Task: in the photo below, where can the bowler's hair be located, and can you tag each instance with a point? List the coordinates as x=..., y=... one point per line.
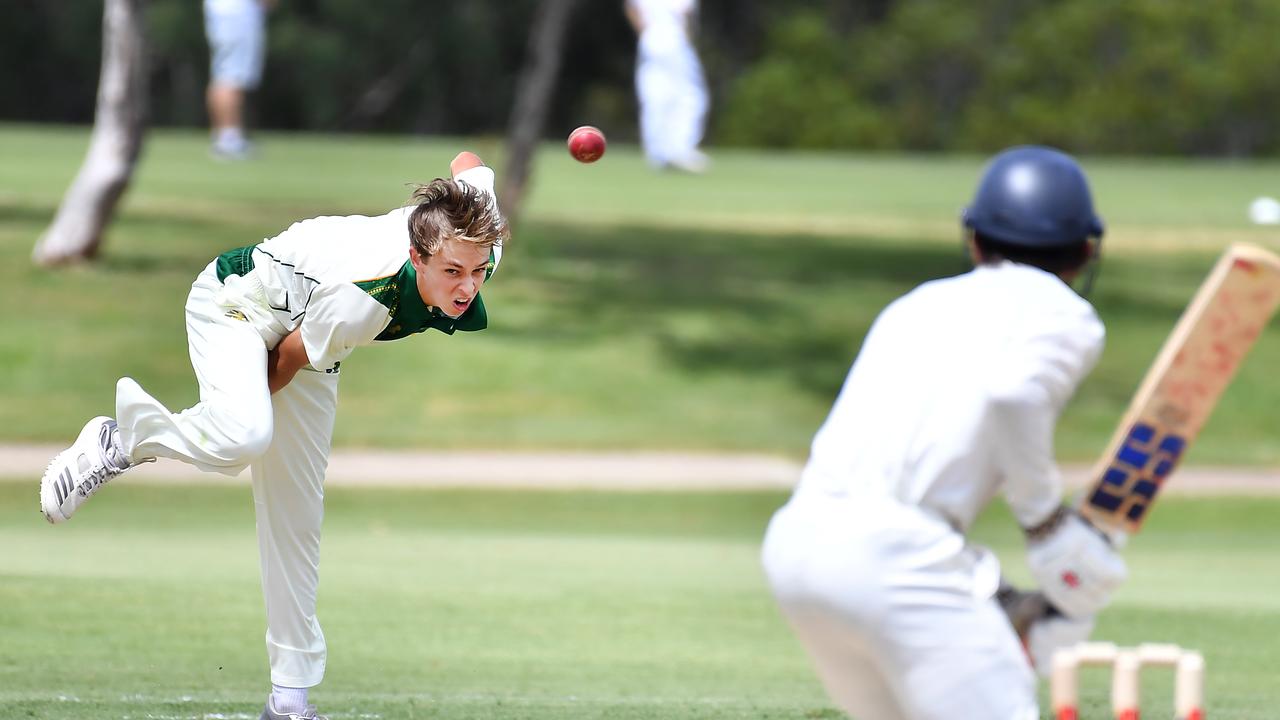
x=450, y=209
x=1056, y=260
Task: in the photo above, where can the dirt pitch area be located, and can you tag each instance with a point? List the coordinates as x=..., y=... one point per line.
x=590, y=470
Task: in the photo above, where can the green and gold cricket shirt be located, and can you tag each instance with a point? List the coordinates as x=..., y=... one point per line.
x=343, y=282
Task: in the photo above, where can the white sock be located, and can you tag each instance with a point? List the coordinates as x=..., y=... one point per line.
x=288, y=700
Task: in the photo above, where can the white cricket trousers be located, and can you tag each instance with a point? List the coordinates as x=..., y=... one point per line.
x=672, y=96
x=895, y=611
x=284, y=438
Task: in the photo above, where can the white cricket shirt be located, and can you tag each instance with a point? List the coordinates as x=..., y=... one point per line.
x=955, y=394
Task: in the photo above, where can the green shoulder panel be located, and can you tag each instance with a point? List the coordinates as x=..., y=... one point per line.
x=409, y=315
x=234, y=262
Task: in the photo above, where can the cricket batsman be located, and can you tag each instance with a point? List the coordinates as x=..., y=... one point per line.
x=952, y=399
x=268, y=326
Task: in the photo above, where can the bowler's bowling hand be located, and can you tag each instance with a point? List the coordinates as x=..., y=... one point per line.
x=465, y=160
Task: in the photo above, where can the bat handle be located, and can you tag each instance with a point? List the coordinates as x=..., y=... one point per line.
x=1117, y=536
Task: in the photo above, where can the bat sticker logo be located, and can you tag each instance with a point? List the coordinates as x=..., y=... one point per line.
x=1136, y=472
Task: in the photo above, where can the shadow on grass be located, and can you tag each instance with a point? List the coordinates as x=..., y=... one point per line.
x=138, y=242
x=26, y=214
x=794, y=306
x=790, y=308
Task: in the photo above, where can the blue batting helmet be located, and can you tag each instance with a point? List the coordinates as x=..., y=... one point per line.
x=1035, y=197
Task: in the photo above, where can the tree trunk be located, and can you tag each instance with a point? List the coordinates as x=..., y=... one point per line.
x=385, y=89
x=536, y=86
x=114, y=146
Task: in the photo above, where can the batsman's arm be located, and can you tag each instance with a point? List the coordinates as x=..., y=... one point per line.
x=285, y=360
x=1028, y=386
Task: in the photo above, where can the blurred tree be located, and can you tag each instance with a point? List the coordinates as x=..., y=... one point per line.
x=1144, y=76
x=51, y=51
x=894, y=76
x=397, y=66
x=178, y=59
x=802, y=94
x=533, y=96
x=114, y=146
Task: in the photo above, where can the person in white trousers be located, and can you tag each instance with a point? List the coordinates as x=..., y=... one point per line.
x=953, y=398
x=670, y=87
x=268, y=326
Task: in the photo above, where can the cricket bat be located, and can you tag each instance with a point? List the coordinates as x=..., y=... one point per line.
x=1226, y=316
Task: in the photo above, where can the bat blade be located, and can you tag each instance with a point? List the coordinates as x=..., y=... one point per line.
x=1178, y=393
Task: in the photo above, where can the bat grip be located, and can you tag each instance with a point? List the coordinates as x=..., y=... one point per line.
x=1116, y=536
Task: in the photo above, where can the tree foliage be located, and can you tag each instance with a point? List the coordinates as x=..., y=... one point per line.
x=1140, y=76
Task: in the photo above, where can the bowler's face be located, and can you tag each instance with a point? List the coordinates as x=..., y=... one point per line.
x=451, y=278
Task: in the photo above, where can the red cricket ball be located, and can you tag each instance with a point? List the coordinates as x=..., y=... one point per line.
x=586, y=144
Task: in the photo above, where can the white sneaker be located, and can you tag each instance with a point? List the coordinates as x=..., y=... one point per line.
x=270, y=713
x=695, y=162
x=233, y=150
x=82, y=469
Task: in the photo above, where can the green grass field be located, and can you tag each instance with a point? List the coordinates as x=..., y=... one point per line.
x=488, y=604
x=635, y=310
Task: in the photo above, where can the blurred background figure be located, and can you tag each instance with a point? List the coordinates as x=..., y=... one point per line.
x=670, y=87
x=237, y=33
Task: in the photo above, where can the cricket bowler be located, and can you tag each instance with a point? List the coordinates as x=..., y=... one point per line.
x=953, y=399
x=268, y=326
